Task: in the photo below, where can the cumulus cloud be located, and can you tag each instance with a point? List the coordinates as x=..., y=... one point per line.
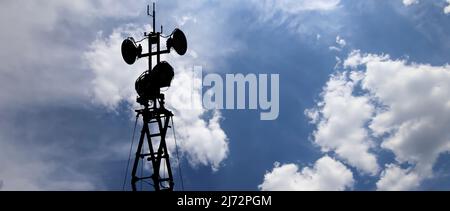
x=340, y=119
x=403, y=105
x=201, y=139
x=394, y=178
x=326, y=174
x=416, y=103
x=113, y=78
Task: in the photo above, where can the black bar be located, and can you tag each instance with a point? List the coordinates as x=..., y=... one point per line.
x=253, y=199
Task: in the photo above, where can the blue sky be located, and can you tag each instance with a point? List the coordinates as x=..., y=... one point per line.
x=66, y=96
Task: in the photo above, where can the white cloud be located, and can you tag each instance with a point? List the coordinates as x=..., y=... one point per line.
x=201, y=139
x=447, y=8
x=326, y=174
x=415, y=106
x=334, y=48
x=340, y=41
x=356, y=58
x=113, y=78
x=340, y=119
x=394, y=178
x=405, y=106
x=410, y=2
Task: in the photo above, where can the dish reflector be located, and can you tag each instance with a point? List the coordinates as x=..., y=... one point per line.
x=178, y=42
x=130, y=51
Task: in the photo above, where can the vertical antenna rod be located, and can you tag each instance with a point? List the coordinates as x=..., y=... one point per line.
x=151, y=34
x=154, y=17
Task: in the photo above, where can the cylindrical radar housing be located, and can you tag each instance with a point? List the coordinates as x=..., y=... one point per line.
x=149, y=83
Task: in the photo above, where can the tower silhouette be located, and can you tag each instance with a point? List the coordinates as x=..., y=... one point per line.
x=153, y=112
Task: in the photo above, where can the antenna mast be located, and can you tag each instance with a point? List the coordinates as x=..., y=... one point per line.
x=154, y=113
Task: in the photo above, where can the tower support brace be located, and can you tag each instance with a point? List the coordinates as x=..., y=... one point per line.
x=157, y=153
